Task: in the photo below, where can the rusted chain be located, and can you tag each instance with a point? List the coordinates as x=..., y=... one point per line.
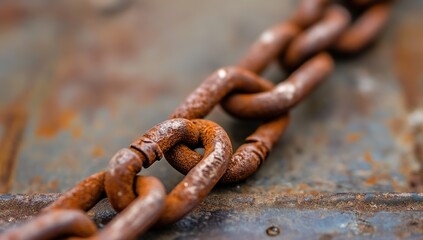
x=151, y=198
x=83, y=196
x=197, y=183
x=317, y=26
x=249, y=156
x=285, y=95
x=200, y=180
x=125, y=165
x=65, y=216
x=54, y=224
x=332, y=22
x=270, y=44
x=364, y=29
x=211, y=92
x=141, y=214
x=246, y=159
x=317, y=37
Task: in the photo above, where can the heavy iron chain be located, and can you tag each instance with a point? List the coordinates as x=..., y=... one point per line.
x=299, y=44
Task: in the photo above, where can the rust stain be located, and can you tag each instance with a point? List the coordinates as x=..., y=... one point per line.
x=97, y=151
x=76, y=131
x=53, y=185
x=38, y=184
x=52, y=123
x=368, y=158
x=303, y=187
x=95, y=71
x=83, y=85
x=14, y=120
x=353, y=137
x=372, y=180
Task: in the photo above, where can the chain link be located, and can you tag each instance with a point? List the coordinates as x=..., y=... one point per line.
x=299, y=44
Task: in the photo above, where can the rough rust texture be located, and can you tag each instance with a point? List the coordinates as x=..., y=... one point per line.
x=254, y=212
x=119, y=180
x=200, y=180
x=246, y=159
x=141, y=214
x=249, y=156
x=83, y=196
x=271, y=43
x=211, y=92
x=284, y=95
x=53, y=225
x=126, y=164
x=318, y=37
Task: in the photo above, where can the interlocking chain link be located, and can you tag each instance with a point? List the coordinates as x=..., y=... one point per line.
x=299, y=45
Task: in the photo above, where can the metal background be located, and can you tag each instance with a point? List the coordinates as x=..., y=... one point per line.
x=81, y=79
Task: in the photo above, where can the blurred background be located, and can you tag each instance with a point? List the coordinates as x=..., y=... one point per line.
x=81, y=79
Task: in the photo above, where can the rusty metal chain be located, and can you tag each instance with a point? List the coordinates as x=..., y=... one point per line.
x=300, y=45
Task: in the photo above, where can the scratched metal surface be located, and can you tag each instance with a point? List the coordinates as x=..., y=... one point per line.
x=80, y=80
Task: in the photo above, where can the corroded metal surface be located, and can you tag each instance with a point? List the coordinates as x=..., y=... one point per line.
x=247, y=215
x=354, y=134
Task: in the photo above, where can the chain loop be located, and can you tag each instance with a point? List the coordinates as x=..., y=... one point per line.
x=140, y=214
x=200, y=180
x=246, y=159
x=127, y=163
x=285, y=95
x=317, y=37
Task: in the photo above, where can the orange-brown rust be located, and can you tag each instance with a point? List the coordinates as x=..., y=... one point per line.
x=53, y=225
x=200, y=180
x=119, y=180
x=271, y=43
x=54, y=121
x=285, y=95
x=250, y=155
x=242, y=78
x=309, y=12
x=204, y=98
x=126, y=164
x=365, y=29
x=14, y=123
x=247, y=158
x=318, y=37
x=83, y=196
x=141, y=214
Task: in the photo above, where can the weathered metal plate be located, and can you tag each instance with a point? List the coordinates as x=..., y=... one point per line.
x=78, y=82
x=227, y=214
